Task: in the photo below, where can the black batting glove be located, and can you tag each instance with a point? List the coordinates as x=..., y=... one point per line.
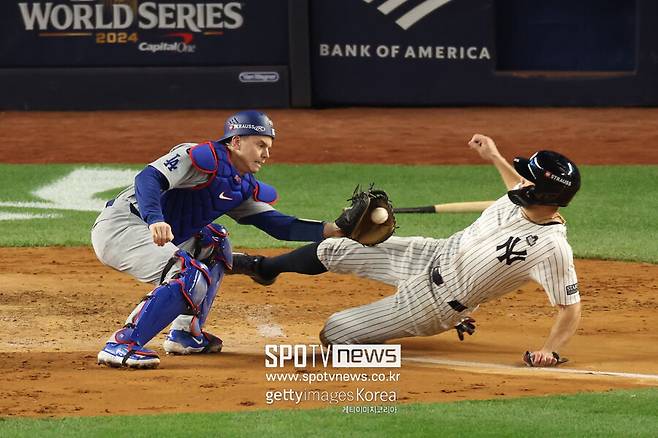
x=466, y=325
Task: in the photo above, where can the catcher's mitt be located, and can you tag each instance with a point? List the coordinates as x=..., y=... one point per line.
x=357, y=222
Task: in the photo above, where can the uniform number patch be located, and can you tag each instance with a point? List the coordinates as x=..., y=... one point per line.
x=172, y=163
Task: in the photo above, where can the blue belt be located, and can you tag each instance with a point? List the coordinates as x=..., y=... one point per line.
x=133, y=209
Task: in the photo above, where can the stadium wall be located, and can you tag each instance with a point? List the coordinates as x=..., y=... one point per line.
x=113, y=54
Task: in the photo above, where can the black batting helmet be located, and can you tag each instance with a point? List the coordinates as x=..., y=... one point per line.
x=556, y=179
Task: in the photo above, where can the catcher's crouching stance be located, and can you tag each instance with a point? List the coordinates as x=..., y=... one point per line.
x=161, y=230
x=520, y=237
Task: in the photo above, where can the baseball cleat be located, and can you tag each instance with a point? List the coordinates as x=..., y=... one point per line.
x=130, y=355
x=182, y=342
x=250, y=265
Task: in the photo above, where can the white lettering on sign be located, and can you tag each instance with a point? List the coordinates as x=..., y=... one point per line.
x=194, y=17
x=467, y=53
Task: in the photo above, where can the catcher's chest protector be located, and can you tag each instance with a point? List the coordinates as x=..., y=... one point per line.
x=189, y=210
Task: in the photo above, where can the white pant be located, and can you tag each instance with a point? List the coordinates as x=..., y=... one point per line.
x=123, y=241
x=418, y=308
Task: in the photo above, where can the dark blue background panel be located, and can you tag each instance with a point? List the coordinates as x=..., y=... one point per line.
x=566, y=35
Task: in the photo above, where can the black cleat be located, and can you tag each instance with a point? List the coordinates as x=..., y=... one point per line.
x=250, y=265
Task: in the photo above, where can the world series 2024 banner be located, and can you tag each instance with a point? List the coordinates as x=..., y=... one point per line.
x=81, y=33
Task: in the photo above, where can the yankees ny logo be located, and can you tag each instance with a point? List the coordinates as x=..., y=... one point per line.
x=510, y=255
x=172, y=163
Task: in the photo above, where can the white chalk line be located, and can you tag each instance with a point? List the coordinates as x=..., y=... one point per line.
x=499, y=368
x=529, y=370
x=7, y=216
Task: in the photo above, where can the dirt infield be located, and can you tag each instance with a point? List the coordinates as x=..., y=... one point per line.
x=415, y=136
x=57, y=305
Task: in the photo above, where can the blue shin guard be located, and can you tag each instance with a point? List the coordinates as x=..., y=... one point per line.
x=212, y=240
x=191, y=291
x=185, y=293
x=216, y=276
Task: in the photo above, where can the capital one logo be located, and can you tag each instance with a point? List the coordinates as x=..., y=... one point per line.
x=414, y=15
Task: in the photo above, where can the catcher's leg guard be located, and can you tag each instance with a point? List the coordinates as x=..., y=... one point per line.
x=212, y=246
x=191, y=338
x=185, y=292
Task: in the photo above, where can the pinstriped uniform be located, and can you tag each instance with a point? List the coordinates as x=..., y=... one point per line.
x=441, y=280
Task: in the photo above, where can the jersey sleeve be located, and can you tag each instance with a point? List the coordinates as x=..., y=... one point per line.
x=249, y=207
x=557, y=275
x=284, y=227
x=178, y=169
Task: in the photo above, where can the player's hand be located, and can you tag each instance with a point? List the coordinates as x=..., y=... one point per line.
x=484, y=146
x=330, y=229
x=465, y=325
x=542, y=358
x=161, y=233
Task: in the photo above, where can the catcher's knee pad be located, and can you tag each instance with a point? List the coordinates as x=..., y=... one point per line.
x=185, y=293
x=213, y=246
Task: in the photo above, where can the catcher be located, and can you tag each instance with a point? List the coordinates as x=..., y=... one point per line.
x=160, y=231
x=520, y=237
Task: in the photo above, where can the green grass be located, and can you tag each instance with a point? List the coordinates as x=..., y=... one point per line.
x=613, y=217
x=619, y=413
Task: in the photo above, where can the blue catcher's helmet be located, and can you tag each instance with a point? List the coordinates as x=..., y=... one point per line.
x=556, y=179
x=248, y=122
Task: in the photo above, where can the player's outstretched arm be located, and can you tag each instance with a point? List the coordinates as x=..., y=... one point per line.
x=486, y=148
x=285, y=227
x=564, y=327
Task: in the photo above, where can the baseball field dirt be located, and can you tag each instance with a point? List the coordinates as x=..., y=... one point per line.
x=58, y=305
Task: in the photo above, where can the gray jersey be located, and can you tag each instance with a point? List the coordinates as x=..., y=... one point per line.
x=123, y=240
x=440, y=280
x=184, y=176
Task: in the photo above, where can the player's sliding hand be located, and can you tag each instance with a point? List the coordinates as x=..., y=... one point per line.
x=543, y=358
x=484, y=146
x=161, y=233
x=466, y=325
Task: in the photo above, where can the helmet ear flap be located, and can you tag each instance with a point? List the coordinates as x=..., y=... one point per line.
x=523, y=196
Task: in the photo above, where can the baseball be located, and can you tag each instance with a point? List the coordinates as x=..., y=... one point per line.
x=379, y=215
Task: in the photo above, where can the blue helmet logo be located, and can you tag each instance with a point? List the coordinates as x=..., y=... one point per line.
x=248, y=122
